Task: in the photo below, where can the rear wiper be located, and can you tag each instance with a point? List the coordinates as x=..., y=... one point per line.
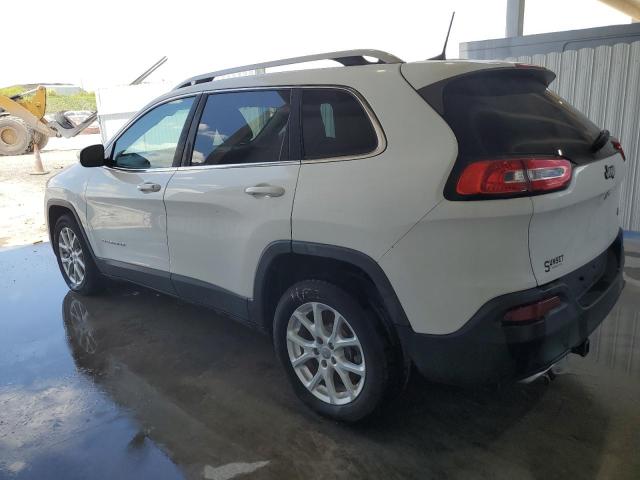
x=600, y=141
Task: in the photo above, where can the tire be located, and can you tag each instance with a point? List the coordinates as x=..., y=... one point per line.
x=39, y=139
x=369, y=388
x=16, y=137
x=71, y=250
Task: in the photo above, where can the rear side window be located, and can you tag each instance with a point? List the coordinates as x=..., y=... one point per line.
x=334, y=124
x=243, y=127
x=510, y=112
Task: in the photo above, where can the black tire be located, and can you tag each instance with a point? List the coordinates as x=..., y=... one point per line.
x=16, y=137
x=40, y=139
x=369, y=332
x=92, y=281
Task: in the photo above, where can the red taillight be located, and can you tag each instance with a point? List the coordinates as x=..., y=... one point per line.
x=533, y=311
x=509, y=177
x=618, y=147
x=492, y=177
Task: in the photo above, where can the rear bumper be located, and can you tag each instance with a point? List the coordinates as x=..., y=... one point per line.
x=485, y=351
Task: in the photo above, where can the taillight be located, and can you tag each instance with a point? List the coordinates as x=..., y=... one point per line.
x=616, y=144
x=533, y=311
x=514, y=177
x=547, y=174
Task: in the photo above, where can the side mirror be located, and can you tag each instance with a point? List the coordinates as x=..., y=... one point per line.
x=92, y=156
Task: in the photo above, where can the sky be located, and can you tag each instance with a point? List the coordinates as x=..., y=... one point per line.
x=105, y=43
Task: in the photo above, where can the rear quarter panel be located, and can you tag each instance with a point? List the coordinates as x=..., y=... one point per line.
x=368, y=204
x=457, y=258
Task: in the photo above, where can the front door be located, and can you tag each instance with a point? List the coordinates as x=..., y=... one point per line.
x=233, y=198
x=125, y=207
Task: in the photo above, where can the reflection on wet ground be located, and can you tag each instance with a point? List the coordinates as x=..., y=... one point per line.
x=133, y=384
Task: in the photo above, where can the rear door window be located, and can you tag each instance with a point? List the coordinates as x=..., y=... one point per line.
x=335, y=124
x=243, y=127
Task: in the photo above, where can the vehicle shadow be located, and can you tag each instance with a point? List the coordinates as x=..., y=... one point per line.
x=209, y=392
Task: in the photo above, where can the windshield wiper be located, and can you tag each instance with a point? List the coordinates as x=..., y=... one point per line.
x=600, y=141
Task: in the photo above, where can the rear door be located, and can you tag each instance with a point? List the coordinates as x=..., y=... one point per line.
x=508, y=114
x=233, y=197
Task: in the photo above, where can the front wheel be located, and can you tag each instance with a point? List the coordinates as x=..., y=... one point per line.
x=332, y=350
x=16, y=136
x=74, y=259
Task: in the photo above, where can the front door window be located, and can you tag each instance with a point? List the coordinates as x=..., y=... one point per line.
x=152, y=140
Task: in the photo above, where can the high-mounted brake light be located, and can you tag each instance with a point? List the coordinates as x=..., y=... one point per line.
x=616, y=144
x=533, y=311
x=515, y=176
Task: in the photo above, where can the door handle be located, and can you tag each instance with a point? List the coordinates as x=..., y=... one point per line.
x=148, y=187
x=265, y=191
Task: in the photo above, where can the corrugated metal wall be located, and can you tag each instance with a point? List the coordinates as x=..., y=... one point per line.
x=604, y=83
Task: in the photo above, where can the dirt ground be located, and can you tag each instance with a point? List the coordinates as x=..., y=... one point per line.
x=22, y=219
x=21, y=196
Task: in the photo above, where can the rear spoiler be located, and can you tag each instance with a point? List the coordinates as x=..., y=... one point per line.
x=433, y=93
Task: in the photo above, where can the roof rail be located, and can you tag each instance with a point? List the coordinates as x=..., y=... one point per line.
x=347, y=58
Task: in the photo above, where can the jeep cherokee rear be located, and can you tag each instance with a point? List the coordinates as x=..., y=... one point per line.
x=454, y=215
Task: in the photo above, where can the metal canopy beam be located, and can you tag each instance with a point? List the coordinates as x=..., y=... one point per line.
x=515, y=18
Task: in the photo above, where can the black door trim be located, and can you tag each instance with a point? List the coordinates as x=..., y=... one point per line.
x=212, y=296
x=194, y=118
x=148, y=277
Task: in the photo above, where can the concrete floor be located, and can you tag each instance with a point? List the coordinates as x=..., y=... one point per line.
x=132, y=384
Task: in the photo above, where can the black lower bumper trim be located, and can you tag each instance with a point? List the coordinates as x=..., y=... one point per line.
x=486, y=351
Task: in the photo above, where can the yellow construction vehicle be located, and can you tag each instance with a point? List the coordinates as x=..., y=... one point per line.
x=22, y=122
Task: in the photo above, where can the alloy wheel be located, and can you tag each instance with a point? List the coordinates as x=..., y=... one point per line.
x=325, y=353
x=71, y=256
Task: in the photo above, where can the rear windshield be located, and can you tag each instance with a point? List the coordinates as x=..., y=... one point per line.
x=506, y=112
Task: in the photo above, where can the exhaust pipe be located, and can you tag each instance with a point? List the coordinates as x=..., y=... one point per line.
x=548, y=372
x=559, y=367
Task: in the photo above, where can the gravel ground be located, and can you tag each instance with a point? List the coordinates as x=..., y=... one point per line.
x=21, y=195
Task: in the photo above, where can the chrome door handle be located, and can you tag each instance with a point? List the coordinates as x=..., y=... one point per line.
x=265, y=191
x=148, y=187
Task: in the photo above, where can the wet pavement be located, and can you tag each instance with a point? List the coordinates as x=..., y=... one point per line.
x=133, y=384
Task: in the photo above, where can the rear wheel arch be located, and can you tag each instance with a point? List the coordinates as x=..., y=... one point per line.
x=284, y=263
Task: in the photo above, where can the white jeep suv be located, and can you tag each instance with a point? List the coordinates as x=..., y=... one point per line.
x=453, y=215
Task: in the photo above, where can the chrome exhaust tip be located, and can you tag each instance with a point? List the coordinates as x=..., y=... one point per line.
x=549, y=373
x=536, y=376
